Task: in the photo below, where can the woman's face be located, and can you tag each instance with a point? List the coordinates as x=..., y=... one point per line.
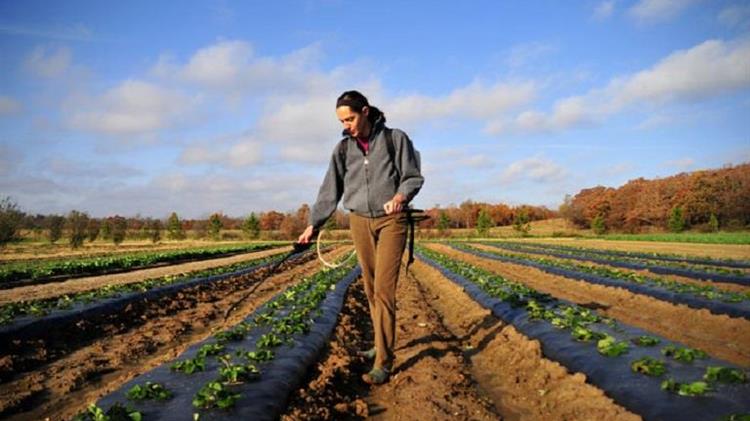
x=355, y=123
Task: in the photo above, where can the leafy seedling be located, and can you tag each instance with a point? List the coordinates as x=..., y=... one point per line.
x=190, y=366
x=646, y=340
x=149, y=391
x=215, y=395
x=608, y=346
x=725, y=375
x=648, y=366
x=685, y=389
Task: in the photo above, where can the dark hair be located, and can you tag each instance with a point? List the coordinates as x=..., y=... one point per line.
x=354, y=100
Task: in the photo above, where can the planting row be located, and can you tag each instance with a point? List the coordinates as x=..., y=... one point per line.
x=696, y=296
x=707, y=261
x=246, y=372
x=649, y=375
x=13, y=274
x=709, y=273
x=29, y=318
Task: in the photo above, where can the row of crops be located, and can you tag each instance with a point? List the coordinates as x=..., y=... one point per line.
x=37, y=270
x=702, y=296
x=706, y=269
x=246, y=372
x=22, y=313
x=648, y=374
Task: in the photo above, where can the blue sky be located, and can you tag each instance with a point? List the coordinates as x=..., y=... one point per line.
x=197, y=107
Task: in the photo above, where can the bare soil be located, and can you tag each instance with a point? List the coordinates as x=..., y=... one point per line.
x=721, y=336
x=454, y=360
x=37, y=292
x=60, y=250
x=74, y=369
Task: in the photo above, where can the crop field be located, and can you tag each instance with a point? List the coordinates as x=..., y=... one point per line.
x=518, y=330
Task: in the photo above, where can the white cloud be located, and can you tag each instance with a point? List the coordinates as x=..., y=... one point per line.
x=537, y=169
x=48, y=62
x=132, y=107
x=736, y=16
x=9, y=105
x=659, y=10
x=604, y=10
x=707, y=70
x=475, y=101
x=237, y=151
x=232, y=68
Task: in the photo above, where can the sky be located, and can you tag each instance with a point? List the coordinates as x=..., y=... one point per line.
x=145, y=108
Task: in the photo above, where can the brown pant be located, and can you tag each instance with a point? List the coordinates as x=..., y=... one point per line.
x=380, y=244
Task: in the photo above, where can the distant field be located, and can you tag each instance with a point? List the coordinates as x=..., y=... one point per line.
x=560, y=228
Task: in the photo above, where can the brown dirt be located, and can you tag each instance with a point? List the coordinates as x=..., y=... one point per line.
x=454, y=360
x=719, y=285
x=37, y=292
x=716, y=251
x=721, y=336
x=46, y=251
x=132, y=344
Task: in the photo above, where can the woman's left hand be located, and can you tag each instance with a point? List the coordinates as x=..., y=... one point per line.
x=394, y=205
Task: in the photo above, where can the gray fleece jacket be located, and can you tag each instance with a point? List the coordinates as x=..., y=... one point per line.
x=367, y=182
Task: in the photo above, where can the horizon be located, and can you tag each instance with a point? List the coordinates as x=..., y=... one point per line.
x=232, y=108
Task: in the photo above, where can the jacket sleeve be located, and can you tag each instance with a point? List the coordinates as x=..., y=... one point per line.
x=330, y=191
x=410, y=166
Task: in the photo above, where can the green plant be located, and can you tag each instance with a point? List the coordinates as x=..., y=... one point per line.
x=174, y=227
x=484, y=223
x=648, y=366
x=251, y=226
x=215, y=225
x=190, y=365
x=609, y=346
x=149, y=391
x=676, y=220
x=215, y=395
x=522, y=223
x=236, y=373
x=725, y=375
x=686, y=355
x=597, y=225
x=713, y=223
x=117, y=412
x=685, y=389
x=646, y=341
x=210, y=349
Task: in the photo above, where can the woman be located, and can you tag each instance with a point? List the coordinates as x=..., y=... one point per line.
x=376, y=171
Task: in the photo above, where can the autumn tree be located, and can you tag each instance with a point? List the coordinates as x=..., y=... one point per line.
x=56, y=223
x=154, y=230
x=92, y=229
x=10, y=221
x=119, y=229
x=77, y=223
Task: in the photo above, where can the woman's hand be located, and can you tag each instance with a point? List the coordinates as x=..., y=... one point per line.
x=306, y=236
x=394, y=205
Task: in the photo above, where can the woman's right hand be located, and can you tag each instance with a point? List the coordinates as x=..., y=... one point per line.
x=306, y=236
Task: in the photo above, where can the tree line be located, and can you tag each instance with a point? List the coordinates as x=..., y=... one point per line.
x=78, y=227
x=706, y=200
